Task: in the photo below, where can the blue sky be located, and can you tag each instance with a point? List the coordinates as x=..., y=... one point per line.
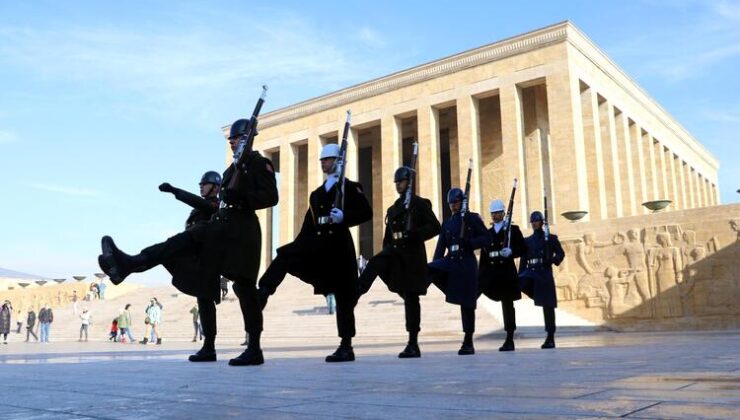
x=101, y=102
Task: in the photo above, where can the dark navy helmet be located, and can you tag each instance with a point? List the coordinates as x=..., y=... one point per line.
x=454, y=194
x=536, y=216
x=211, y=177
x=239, y=128
x=404, y=172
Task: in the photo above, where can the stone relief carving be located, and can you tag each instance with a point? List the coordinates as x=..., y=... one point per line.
x=658, y=272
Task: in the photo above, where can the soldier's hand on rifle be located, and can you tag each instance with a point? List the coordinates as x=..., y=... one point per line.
x=231, y=196
x=337, y=215
x=166, y=187
x=505, y=252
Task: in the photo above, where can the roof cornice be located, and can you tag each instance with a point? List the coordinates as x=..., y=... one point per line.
x=492, y=52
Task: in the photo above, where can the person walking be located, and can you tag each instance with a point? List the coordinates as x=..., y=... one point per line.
x=30, y=324
x=46, y=317
x=154, y=317
x=85, y=323
x=5, y=313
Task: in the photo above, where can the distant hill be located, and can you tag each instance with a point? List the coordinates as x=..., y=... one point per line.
x=11, y=274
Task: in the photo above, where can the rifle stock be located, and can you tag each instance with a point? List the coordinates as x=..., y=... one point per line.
x=339, y=198
x=510, y=213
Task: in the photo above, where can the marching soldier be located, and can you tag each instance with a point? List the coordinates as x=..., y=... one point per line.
x=535, y=273
x=498, y=278
x=456, y=274
x=204, y=207
x=323, y=253
x=228, y=245
x=402, y=264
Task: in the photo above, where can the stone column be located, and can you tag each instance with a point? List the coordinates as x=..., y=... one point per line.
x=390, y=140
x=628, y=184
x=662, y=172
x=594, y=156
x=430, y=186
x=670, y=157
x=468, y=141
x=649, y=143
x=642, y=195
x=287, y=192
x=315, y=176
x=513, y=145
x=615, y=163
x=680, y=168
x=352, y=172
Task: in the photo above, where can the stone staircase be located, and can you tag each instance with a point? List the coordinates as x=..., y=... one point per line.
x=294, y=315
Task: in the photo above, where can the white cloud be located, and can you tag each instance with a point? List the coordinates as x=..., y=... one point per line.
x=728, y=10
x=186, y=68
x=370, y=37
x=7, y=136
x=65, y=190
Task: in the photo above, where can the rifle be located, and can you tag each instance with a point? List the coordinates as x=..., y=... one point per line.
x=339, y=198
x=546, y=230
x=509, y=214
x=410, y=187
x=244, y=147
x=464, y=207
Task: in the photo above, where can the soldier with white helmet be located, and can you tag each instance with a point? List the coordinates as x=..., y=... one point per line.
x=323, y=254
x=497, y=275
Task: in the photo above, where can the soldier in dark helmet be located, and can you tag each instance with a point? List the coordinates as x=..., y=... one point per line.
x=323, y=253
x=205, y=205
x=456, y=272
x=497, y=276
x=402, y=264
x=535, y=273
x=229, y=244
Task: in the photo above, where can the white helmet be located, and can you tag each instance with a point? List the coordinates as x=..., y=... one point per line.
x=496, y=205
x=330, y=150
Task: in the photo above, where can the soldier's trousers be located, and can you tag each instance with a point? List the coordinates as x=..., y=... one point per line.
x=507, y=307
x=346, y=301
x=467, y=314
x=380, y=265
x=549, y=313
x=185, y=244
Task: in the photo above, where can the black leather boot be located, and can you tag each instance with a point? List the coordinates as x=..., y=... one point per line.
x=116, y=263
x=344, y=353
x=250, y=357
x=411, y=351
x=508, y=343
x=203, y=355
x=467, y=345
x=549, y=341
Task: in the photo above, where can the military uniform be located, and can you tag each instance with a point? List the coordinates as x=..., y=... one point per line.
x=456, y=274
x=497, y=276
x=323, y=254
x=535, y=275
x=229, y=244
x=402, y=264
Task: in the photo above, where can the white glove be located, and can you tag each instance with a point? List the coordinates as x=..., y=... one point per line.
x=505, y=252
x=337, y=215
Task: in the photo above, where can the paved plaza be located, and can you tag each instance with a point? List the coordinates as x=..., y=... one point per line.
x=590, y=375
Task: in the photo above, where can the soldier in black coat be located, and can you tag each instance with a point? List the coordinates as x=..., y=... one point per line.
x=456, y=273
x=323, y=253
x=402, y=263
x=497, y=277
x=535, y=273
x=229, y=245
x=204, y=207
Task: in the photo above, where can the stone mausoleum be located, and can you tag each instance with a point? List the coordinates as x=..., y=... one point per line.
x=549, y=108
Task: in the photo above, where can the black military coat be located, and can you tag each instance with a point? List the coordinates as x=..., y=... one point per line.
x=497, y=276
x=323, y=255
x=461, y=267
x=407, y=257
x=230, y=243
x=203, y=207
x=535, y=271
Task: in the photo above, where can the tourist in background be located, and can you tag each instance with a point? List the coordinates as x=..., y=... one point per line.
x=19, y=321
x=30, y=324
x=46, y=317
x=153, y=318
x=129, y=333
x=123, y=326
x=5, y=312
x=85, y=323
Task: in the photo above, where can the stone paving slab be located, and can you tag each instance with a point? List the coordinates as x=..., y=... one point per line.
x=592, y=375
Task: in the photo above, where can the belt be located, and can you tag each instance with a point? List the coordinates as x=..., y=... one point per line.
x=397, y=235
x=324, y=220
x=454, y=248
x=533, y=261
x=494, y=254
